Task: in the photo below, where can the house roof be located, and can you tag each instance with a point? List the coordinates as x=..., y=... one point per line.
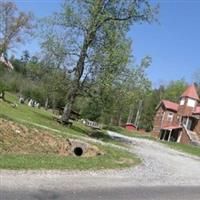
x=197, y=110
x=130, y=124
x=169, y=105
x=171, y=127
x=191, y=92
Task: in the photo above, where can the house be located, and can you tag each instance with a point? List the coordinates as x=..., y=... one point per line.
x=179, y=122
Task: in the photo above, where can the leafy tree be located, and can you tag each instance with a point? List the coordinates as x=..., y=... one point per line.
x=151, y=100
x=82, y=28
x=115, y=93
x=174, y=90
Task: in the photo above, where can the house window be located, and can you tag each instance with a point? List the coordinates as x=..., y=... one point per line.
x=191, y=103
x=182, y=102
x=170, y=117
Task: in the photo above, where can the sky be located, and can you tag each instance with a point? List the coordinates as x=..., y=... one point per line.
x=173, y=42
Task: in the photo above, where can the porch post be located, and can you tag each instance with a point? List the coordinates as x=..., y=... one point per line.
x=187, y=122
x=164, y=136
x=179, y=137
x=169, y=135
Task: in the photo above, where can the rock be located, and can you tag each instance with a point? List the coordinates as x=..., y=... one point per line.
x=17, y=131
x=21, y=100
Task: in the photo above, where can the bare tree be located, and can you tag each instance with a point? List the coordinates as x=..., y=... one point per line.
x=14, y=28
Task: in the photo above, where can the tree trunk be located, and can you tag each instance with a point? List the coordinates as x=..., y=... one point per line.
x=53, y=104
x=111, y=120
x=120, y=120
x=2, y=95
x=130, y=116
x=68, y=107
x=76, y=84
x=46, y=103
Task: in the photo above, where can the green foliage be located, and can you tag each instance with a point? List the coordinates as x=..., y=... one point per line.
x=91, y=37
x=3, y=85
x=174, y=90
x=151, y=100
x=86, y=60
x=32, y=78
x=91, y=108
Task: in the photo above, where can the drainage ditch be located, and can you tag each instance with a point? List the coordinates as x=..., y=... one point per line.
x=78, y=151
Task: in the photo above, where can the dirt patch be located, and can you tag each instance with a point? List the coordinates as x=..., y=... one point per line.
x=18, y=139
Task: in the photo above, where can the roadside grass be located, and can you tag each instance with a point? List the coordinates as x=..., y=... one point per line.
x=125, y=132
x=42, y=119
x=186, y=148
x=112, y=159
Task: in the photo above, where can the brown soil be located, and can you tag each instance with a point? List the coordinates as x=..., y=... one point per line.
x=18, y=139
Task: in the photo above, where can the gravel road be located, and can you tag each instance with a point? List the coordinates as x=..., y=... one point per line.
x=162, y=167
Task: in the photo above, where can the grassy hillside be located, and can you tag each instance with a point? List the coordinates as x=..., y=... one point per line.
x=33, y=116
x=28, y=150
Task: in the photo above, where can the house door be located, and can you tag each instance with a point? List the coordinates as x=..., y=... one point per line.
x=189, y=125
x=187, y=122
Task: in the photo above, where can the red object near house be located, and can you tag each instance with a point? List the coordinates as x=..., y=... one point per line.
x=130, y=127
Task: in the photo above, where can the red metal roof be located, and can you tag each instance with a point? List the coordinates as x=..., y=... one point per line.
x=130, y=124
x=191, y=92
x=197, y=110
x=171, y=127
x=170, y=105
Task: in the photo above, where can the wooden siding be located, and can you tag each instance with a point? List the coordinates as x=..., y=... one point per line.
x=185, y=110
x=184, y=137
x=162, y=119
x=197, y=128
x=158, y=119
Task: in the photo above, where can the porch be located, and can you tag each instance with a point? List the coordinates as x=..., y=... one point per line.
x=172, y=134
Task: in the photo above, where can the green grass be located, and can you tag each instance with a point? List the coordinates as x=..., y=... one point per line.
x=113, y=158
x=189, y=149
x=33, y=117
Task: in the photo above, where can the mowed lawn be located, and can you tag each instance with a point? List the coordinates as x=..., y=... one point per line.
x=186, y=148
x=112, y=159
x=34, y=116
x=41, y=119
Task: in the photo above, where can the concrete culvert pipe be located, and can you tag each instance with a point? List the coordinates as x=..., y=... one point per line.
x=78, y=151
